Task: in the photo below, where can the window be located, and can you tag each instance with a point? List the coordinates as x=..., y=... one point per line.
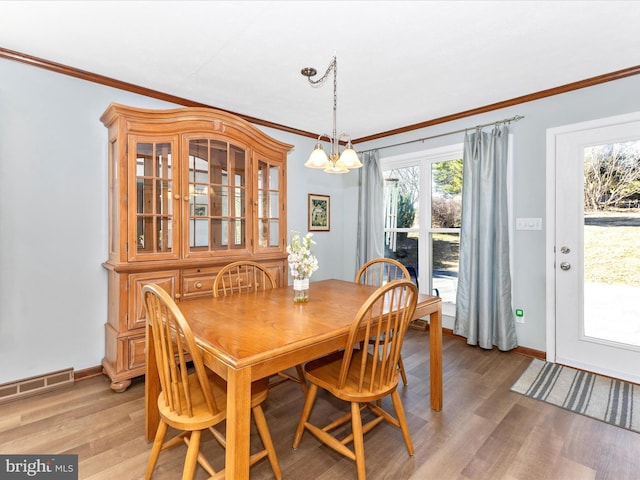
x=423, y=199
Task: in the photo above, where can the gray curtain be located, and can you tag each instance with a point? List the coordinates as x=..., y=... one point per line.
x=370, y=241
x=484, y=314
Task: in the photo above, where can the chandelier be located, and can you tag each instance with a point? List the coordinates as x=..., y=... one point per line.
x=335, y=162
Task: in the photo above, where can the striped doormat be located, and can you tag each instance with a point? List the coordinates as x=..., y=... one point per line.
x=607, y=399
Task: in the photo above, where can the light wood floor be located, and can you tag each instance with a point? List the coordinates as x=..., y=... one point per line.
x=483, y=432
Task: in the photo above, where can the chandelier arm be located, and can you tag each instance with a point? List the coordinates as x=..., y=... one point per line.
x=331, y=141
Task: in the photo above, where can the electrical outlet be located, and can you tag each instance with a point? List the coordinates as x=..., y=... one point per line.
x=519, y=315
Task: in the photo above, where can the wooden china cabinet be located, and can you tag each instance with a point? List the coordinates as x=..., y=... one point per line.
x=190, y=190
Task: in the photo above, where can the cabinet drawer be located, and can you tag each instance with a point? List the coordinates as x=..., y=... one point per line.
x=198, y=282
x=136, y=348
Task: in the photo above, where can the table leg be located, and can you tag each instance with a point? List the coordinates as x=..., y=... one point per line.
x=238, y=424
x=151, y=388
x=435, y=337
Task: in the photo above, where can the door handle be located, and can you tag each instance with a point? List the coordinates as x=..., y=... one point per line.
x=565, y=266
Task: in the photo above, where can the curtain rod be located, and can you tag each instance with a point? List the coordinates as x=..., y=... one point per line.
x=477, y=127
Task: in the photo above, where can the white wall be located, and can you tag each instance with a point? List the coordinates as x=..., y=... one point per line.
x=53, y=208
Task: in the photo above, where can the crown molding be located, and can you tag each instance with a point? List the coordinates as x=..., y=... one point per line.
x=147, y=92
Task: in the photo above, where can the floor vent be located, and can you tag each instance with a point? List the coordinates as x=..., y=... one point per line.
x=419, y=324
x=35, y=385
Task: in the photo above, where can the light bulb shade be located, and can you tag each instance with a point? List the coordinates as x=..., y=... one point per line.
x=349, y=158
x=318, y=158
x=336, y=168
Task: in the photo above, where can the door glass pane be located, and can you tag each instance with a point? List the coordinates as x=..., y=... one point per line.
x=217, y=195
x=402, y=220
x=612, y=243
x=262, y=204
x=154, y=202
x=268, y=205
x=274, y=232
x=446, y=194
x=145, y=234
x=219, y=231
x=145, y=196
x=144, y=160
x=163, y=160
x=238, y=233
x=219, y=202
x=198, y=189
x=163, y=199
x=446, y=253
x=164, y=234
x=263, y=232
x=441, y=194
x=238, y=202
x=274, y=201
x=446, y=220
x=274, y=175
x=237, y=163
x=198, y=233
x=217, y=159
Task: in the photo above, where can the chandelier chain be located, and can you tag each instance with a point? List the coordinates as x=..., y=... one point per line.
x=335, y=162
x=332, y=66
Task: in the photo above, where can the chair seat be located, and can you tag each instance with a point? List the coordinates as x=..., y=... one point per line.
x=325, y=372
x=202, y=417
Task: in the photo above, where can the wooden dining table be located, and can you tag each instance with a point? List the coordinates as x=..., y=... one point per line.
x=247, y=337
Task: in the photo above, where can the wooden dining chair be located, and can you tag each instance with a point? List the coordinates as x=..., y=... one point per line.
x=242, y=277
x=362, y=377
x=378, y=272
x=192, y=398
x=246, y=277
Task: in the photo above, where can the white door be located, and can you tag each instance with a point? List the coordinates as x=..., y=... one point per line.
x=594, y=304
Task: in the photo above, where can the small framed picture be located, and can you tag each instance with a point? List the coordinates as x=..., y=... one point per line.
x=319, y=212
x=199, y=210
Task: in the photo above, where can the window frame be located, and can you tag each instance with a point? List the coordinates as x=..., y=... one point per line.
x=425, y=159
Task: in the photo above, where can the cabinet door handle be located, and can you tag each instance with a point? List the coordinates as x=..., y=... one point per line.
x=177, y=295
x=198, y=285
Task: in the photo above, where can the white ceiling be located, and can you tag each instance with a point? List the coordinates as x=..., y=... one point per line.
x=399, y=63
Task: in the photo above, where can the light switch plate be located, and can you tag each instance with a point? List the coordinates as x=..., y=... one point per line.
x=528, y=224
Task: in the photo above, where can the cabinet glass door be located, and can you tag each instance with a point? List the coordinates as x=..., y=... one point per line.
x=269, y=205
x=151, y=235
x=216, y=182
